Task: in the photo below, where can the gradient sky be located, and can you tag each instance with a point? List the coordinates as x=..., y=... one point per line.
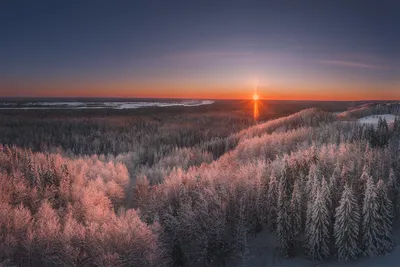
x=201, y=49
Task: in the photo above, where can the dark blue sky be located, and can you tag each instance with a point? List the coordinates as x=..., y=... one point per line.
x=168, y=48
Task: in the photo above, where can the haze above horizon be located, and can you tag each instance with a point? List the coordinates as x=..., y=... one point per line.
x=201, y=49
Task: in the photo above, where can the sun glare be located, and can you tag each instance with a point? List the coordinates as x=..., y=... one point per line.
x=256, y=113
x=255, y=97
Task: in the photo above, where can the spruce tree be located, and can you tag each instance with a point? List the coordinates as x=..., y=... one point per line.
x=385, y=209
x=362, y=182
x=296, y=209
x=326, y=194
x=382, y=131
x=312, y=181
x=283, y=225
x=346, y=229
x=317, y=243
x=370, y=220
x=392, y=183
x=372, y=136
x=272, y=200
x=396, y=127
x=312, y=186
x=336, y=186
x=393, y=193
x=368, y=154
x=345, y=175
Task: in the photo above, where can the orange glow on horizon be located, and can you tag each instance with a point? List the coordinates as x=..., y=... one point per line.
x=352, y=92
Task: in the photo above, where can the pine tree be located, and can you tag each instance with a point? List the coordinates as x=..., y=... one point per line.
x=370, y=220
x=272, y=200
x=385, y=209
x=284, y=227
x=318, y=238
x=346, y=229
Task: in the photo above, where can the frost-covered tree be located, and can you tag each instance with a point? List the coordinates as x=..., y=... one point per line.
x=284, y=227
x=368, y=153
x=336, y=186
x=394, y=193
x=272, y=200
x=296, y=209
x=318, y=238
x=312, y=187
x=47, y=230
x=22, y=230
x=241, y=241
x=312, y=181
x=382, y=131
x=361, y=184
x=326, y=194
x=396, y=127
x=72, y=240
x=346, y=229
x=370, y=220
x=345, y=175
x=385, y=209
x=392, y=184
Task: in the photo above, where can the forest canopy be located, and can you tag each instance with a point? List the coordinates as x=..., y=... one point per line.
x=173, y=189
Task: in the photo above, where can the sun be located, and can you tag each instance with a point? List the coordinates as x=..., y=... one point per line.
x=256, y=97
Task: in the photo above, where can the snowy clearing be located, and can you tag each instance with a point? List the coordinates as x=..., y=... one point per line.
x=374, y=119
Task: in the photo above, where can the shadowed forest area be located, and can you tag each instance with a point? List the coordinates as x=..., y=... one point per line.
x=194, y=186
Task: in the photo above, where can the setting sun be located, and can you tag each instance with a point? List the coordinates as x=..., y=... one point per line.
x=255, y=97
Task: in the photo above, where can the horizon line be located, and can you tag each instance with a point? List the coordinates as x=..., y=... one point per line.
x=186, y=98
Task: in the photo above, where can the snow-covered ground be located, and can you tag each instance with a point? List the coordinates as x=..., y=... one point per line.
x=97, y=105
x=374, y=119
x=193, y=103
x=263, y=254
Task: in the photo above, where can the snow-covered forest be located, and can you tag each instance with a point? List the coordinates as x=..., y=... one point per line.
x=197, y=190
